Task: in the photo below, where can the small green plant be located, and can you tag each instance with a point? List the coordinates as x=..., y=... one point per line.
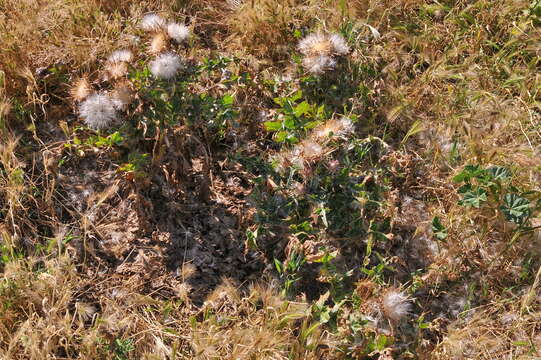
x=136, y=165
x=440, y=231
x=288, y=271
x=122, y=348
x=294, y=117
x=491, y=188
x=98, y=141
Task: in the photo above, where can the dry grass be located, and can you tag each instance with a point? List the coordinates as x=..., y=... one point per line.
x=101, y=262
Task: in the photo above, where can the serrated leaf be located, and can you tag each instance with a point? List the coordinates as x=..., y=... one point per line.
x=515, y=208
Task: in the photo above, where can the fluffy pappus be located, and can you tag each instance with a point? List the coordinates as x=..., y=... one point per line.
x=116, y=70
x=123, y=55
x=318, y=64
x=340, y=127
x=178, y=32
x=166, y=66
x=320, y=51
x=152, y=22
x=315, y=44
x=309, y=150
x=158, y=43
x=395, y=305
x=81, y=89
x=323, y=44
x=98, y=111
x=122, y=96
x=338, y=44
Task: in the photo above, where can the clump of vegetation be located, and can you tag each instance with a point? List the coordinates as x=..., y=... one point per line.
x=269, y=180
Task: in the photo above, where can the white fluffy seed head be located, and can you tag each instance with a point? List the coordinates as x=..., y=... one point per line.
x=314, y=44
x=338, y=44
x=178, y=32
x=318, y=64
x=152, y=22
x=323, y=44
x=98, y=111
x=166, y=66
x=158, y=43
x=311, y=150
x=341, y=127
x=345, y=126
x=320, y=51
x=396, y=305
x=116, y=70
x=123, y=55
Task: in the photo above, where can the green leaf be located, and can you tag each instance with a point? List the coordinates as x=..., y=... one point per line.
x=296, y=96
x=424, y=325
x=302, y=109
x=515, y=208
x=311, y=125
x=279, y=266
x=499, y=173
x=273, y=125
x=438, y=229
x=227, y=100
x=324, y=315
x=469, y=172
x=381, y=342
x=464, y=189
x=289, y=123
x=251, y=238
x=474, y=198
x=279, y=101
x=281, y=136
